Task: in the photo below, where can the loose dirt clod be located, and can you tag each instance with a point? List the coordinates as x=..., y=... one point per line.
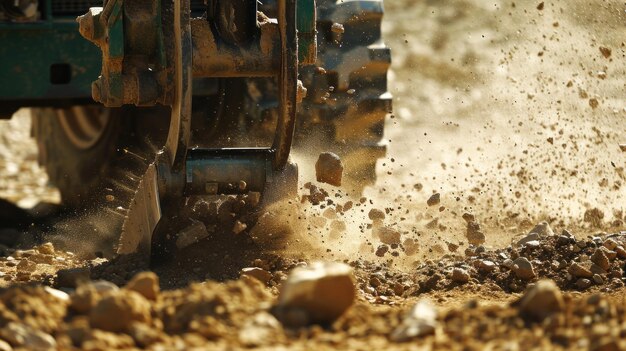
x=329, y=169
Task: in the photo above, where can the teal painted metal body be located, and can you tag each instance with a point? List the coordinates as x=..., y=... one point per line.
x=29, y=52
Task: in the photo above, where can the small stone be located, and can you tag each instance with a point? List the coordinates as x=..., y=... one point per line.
x=145, y=283
x=47, y=249
x=5, y=346
x=476, y=238
x=58, y=294
x=258, y=273
x=621, y=252
x=583, y=283
x=329, y=169
x=600, y=259
x=116, y=312
x=543, y=229
x=239, y=227
x=388, y=235
x=579, y=271
x=24, y=336
x=259, y=330
x=71, y=277
x=460, y=275
x=527, y=238
x=468, y=217
x=337, y=28
x=376, y=215
x=434, y=199
x=597, y=278
x=523, y=269
x=195, y=232
x=382, y=250
x=323, y=290
x=541, y=300
x=420, y=321
x=610, y=244
x=487, y=266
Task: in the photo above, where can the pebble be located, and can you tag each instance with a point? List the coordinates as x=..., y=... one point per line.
x=329, y=169
x=530, y=237
x=600, y=259
x=257, y=273
x=23, y=336
x=543, y=229
x=487, y=266
x=388, y=235
x=579, y=271
x=583, y=283
x=434, y=199
x=323, y=290
x=376, y=215
x=58, y=294
x=146, y=284
x=420, y=321
x=460, y=275
x=239, y=227
x=195, y=232
x=523, y=269
x=541, y=300
x=597, y=278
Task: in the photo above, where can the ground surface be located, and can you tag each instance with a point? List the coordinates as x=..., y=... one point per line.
x=512, y=111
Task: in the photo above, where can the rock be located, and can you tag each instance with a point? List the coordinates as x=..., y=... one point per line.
x=468, y=217
x=388, y=235
x=376, y=215
x=579, y=271
x=258, y=273
x=528, y=238
x=239, y=227
x=382, y=250
x=420, y=321
x=5, y=346
x=600, y=259
x=117, y=311
x=58, y=294
x=621, y=252
x=329, y=169
x=542, y=229
x=583, y=283
x=523, y=269
x=610, y=244
x=24, y=336
x=434, y=199
x=487, y=266
x=541, y=300
x=103, y=286
x=323, y=290
x=597, y=278
x=71, y=277
x=195, y=232
x=460, y=275
x=145, y=283
x=46, y=249
x=476, y=238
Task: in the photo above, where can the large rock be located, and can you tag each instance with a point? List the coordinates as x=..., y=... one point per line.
x=541, y=300
x=329, y=169
x=116, y=312
x=22, y=336
x=323, y=291
x=145, y=283
x=420, y=321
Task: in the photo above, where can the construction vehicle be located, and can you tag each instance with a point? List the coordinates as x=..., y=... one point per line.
x=191, y=98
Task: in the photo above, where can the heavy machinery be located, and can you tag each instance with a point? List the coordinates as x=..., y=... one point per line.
x=202, y=98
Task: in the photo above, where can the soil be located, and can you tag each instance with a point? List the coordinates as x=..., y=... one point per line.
x=504, y=168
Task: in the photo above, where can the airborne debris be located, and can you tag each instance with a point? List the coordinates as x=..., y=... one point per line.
x=329, y=169
x=434, y=199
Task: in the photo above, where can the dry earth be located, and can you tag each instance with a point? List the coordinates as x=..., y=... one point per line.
x=512, y=112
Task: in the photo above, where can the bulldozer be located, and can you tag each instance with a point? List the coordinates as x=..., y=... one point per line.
x=137, y=105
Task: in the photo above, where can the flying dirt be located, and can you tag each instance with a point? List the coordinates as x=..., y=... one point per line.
x=496, y=219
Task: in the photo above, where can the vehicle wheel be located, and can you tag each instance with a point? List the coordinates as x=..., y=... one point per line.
x=347, y=100
x=75, y=146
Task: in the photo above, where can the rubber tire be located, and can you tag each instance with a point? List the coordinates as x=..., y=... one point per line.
x=77, y=173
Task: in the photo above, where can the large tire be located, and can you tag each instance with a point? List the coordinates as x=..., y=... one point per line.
x=76, y=146
x=348, y=101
